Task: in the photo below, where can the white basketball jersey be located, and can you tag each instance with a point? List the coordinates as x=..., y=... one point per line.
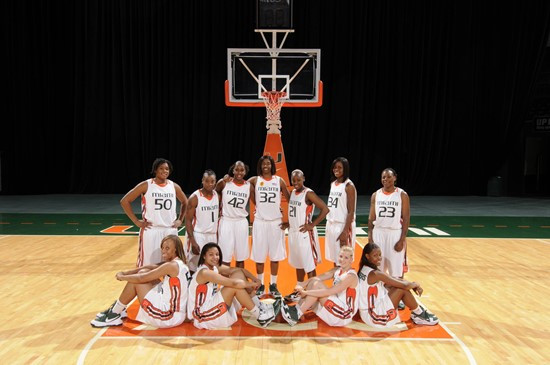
x=206, y=213
x=175, y=289
x=349, y=295
x=388, y=209
x=158, y=204
x=200, y=293
x=299, y=213
x=376, y=306
x=234, y=199
x=368, y=291
x=338, y=202
x=268, y=198
x=165, y=305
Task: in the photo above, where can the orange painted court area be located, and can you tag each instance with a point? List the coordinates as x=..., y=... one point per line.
x=309, y=327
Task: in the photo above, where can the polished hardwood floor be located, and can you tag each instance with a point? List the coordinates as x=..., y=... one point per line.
x=490, y=294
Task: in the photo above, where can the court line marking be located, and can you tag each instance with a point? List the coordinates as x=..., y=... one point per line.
x=2, y=237
x=546, y=242
x=465, y=348
x=277, y=338
x=419, y=231
x=89, y=345
x=436, y=231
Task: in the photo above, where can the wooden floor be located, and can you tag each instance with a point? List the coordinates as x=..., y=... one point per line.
x=490, y=294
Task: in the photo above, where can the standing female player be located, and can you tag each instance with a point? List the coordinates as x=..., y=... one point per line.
x=201, y=219
x=342, y=200
x=158, y=211
x=163, y=302
x=304, y=252
x=233, y=228
x=380, y=294
x=214, y=288
x=338, y=304
x=389, y=219
x=268, y=237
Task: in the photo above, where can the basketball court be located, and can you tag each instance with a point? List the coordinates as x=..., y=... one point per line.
x=491, y=303
x=484, y=271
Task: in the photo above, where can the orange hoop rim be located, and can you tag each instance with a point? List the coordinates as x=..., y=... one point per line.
x=288, y=104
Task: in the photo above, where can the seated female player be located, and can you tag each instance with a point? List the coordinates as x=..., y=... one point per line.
x=380, y=293
x=217, y=291
x=163, y=303
x=336, y=305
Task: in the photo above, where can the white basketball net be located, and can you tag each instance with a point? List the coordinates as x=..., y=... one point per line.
x=273, y=101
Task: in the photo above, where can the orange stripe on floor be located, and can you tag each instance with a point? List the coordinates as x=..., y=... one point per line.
x=116, y=229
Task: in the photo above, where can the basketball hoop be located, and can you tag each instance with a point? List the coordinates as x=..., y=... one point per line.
x=273, y=101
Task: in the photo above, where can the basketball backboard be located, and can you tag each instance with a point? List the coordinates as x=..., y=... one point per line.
x=251, y=71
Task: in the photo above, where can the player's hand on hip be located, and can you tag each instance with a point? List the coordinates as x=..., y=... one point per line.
x=144, y=224
x=177, y=223
x=306, y=227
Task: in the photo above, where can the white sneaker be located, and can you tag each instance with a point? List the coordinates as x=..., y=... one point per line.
x=291, y=314
x=123, y=314
x=425, y=318
x=107, y=320
x=267, y=315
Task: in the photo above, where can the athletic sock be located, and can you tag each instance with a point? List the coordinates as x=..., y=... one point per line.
x=118, y=307
x=261, y=277
x=256, y=300
x=417, y=311
x=300, y=313
x=301, y=283
x=255, y=311
x=274, y=279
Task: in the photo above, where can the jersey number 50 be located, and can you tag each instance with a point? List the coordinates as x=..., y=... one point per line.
x=163, y=204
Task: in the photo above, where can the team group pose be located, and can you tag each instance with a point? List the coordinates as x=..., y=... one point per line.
x=175, y=282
